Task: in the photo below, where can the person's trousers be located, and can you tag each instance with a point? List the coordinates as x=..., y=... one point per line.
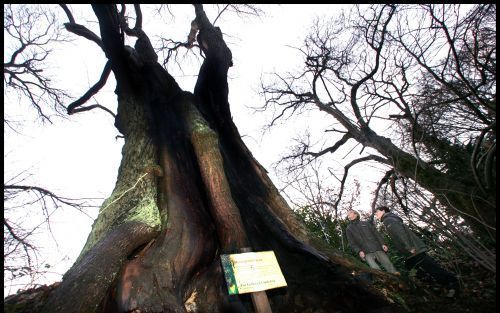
x=425, y=265
x=382, y=258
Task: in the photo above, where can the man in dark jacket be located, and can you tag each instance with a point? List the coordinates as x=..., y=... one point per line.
x=365, y=240
x=414, y=250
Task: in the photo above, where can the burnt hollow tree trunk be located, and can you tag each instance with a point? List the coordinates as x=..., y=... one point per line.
x=188, y=190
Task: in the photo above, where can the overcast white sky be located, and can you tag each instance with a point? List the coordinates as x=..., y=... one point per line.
x=79, y=157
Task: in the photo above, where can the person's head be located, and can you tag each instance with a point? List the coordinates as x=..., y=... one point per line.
x=380, y=211
x=353, y=215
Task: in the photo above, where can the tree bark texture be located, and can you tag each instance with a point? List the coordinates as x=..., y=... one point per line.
x=187, y=191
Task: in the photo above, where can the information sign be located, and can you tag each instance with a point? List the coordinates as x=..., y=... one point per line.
x=251, y=272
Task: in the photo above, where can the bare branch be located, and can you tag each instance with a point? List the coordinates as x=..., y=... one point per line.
x=473, y=160
x=220, y=13
x=31, y=30
x=11, y=191
x=14, y=234
x=378, y=50
x=382, y=181
x=241, y=10
x=351, y=164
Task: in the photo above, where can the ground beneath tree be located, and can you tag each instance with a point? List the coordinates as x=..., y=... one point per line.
x=478, y=296
x=436, y=303
x=418, y=298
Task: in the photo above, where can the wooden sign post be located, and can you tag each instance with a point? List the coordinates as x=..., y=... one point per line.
x=259, y=298
x=261, y=302
x=253, y=272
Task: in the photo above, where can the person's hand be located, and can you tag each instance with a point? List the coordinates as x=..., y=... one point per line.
x=412, y=250
x=385, y=248
x=362, y=254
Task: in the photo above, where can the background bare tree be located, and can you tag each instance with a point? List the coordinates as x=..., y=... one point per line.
x=415, y=87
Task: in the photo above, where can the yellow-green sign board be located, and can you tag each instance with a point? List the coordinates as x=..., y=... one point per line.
x=251, y=272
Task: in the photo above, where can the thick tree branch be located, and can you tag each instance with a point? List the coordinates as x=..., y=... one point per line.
x=137, y=30
x=78, y=29
x=91, y=107
x=331, y=149
x=210, y=39
x=92, y=91
x=112, y=38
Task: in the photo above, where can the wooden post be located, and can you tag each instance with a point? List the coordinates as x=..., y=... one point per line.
x=259, y=298
x=261, y=302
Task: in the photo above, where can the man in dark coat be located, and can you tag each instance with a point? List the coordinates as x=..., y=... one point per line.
x=414, y=250
x=365, y=240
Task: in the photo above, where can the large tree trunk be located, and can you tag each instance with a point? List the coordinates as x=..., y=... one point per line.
x=189, y=190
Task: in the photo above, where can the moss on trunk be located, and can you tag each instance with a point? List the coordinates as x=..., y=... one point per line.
x=135, y=195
